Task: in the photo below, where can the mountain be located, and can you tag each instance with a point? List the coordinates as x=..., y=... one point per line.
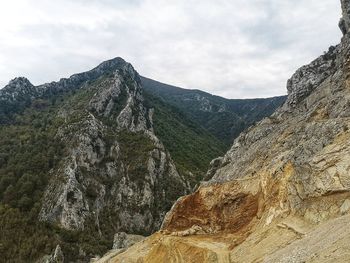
x=80, y=160
x=90, y=156
x=282, y=192
x=223, y=118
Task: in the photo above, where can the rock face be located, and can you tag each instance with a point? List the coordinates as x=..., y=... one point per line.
x=99, y=174
x=17, y=87
x=308, y=77
x=281, y=193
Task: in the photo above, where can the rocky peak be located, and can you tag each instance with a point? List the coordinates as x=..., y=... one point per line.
x=20, y=85
x=102, y=174
x=344, y=22
x=77, y=80
x=19, y=82
x=124, y=89
x=308, y=77
x=105, y=67
x=115, y=64
x=20, y=92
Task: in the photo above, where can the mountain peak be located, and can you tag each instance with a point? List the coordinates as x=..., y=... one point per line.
x=18, y=83
x=105, y=67
x=111, y=63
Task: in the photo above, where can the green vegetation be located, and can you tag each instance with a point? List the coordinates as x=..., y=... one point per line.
x=134, y=153
x=22, y=237
x=191, y=147
x=223, y=118
x=28, y=151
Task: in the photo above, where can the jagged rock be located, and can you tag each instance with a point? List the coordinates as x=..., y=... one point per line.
x=308, y=77
x=95, y=177
x=213, y=166
x=19, y=89
x=18, y=85
x=345, y=20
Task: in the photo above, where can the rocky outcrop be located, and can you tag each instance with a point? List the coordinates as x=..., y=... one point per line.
x=102, y=175
x=344, y=22
x=308, y=77
x=16, y=88
x=281, y=193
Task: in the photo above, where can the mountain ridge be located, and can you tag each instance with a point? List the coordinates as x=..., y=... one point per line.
x=89, y=156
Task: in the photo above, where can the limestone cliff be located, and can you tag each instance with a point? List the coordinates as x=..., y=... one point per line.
x=91, y=164
x=98, y=174
x=282, y=192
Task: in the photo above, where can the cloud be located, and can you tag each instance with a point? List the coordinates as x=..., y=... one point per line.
x=232, y=48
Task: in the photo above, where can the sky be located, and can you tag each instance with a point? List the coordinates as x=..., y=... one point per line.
x=230, y=48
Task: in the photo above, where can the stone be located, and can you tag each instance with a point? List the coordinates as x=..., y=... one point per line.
x=93, y=177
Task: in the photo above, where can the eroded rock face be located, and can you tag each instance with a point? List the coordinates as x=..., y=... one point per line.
x=16, y=87
x=214, y=209
x=285, y=179
x=308, y=77
x=115, y=167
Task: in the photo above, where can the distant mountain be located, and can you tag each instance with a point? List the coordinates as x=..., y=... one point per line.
x=102, y=152
x=223, y=118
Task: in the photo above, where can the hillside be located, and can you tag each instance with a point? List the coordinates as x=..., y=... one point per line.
x=223, y=118
x=282, y=192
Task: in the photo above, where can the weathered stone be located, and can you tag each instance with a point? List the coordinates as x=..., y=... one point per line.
x=79, y=191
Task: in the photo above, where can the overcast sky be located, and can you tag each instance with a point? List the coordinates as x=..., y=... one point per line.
x=232, y=48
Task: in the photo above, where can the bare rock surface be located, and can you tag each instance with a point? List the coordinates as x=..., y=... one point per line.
x=101, y=174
